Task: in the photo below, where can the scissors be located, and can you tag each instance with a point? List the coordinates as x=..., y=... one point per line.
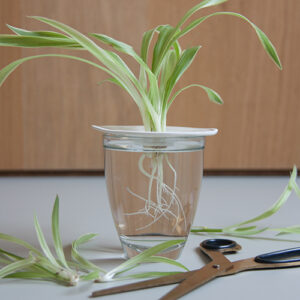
x=219, y=266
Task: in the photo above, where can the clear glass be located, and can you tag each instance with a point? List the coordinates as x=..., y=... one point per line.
x=153, y=185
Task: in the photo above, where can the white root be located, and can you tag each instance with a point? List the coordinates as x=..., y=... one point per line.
x=166, y=197
x=174, y=191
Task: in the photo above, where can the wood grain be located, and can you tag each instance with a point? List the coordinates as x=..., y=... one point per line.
x=47, y=106
x=11, y=130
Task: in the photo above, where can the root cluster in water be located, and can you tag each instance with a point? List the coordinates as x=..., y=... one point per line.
x=164, y=202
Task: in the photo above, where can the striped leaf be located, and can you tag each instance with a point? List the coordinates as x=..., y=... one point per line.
x=161, y=259
x=134, y=261
x=275, y=207
x=20, y=242
x=165, y=33
x=266, y=43
x=48, y=34
x=144, y=275
x=7, y=70
x=84, y=263
x=56, y=235
x=212, y=95
x=184, y=62
x=44, y=244
x=11, y=40
x=15, y=266
x=30, y=275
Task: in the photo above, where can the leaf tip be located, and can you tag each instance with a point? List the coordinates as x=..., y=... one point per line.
x=36, y=221
x=35, y=17
x=56, y=198
x=279, y=65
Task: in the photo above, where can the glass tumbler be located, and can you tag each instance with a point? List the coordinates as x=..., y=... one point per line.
x=153, y=181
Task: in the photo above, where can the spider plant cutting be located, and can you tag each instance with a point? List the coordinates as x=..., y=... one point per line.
x=249, y=227
x=166, y=201
x=44, y=265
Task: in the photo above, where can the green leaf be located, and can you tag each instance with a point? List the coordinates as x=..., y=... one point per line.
x=275, y=207
x=212, y=95
x=237, y=232
x=84, y=263
x=84, y=239
x=199, y=229
x=143, y=275
x=167, y=69
x=7, y=257
x=111, y=80
x=266, y=43
x=146, y=41
x=118, y=45
x=15, y=266
x=10, y=255
x=140, y=258
x=268, y=46
x=177, y=49
x=48, y=34
x=165, y=31
x=43, y=243
x=35, y=41
x=241, y=230
x=160, y=259
x=296, y=189
x=36, y=267
x=184, y=62
x=247, y=228
x=84, y=41
x=91, y=276
x=203, y=4
x=7, y=70
x=20, y=242
x=5, y=260
x=30, y=275
x=290, y=229
x=56, y=236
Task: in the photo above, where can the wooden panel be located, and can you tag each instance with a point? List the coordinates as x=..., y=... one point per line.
x=47, y=106
x=11, y=134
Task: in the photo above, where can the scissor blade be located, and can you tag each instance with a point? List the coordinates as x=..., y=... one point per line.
x=207, y=273
x=176, y=278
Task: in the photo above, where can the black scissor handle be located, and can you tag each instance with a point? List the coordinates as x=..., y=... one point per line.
x=282, y=256
x=218, y=244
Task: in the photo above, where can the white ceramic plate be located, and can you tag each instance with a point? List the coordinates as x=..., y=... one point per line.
x=171, y=131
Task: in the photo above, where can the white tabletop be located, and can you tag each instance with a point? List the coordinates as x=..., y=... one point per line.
x=84, y=208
